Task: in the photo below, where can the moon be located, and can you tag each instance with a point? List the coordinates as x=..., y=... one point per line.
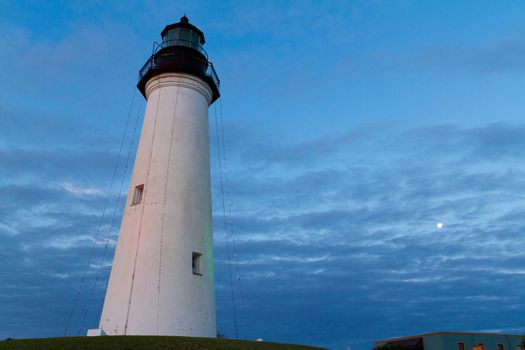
x=440, y=225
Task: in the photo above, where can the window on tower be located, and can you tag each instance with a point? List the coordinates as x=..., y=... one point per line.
x=137, y=195
x=185, y=35
x=196, y=263
x=195, y=40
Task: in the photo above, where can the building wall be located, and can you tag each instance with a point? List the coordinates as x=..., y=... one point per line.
x=449, y=341
x=434, y=342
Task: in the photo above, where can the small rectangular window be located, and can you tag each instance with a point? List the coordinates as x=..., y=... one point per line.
x=478, y=346
x=501, y=347
x=196, y=263
x=137, y=195
x=461, y=346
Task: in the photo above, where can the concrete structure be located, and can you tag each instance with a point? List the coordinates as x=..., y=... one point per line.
x=456, y=341
x=162, y=279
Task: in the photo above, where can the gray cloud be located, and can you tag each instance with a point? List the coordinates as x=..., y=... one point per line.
x=335, y=236
x=501, y=56
x=327, y=232
x=361, y=231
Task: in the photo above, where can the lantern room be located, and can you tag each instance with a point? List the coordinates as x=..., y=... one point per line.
x=183, y=34
x=180, y=51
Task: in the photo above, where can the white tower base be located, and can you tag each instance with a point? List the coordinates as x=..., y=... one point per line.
x=162, y=279
x=97, y=332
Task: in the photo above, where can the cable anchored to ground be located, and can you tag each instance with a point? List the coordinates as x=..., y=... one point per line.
x=113, y=223
x=102, y=217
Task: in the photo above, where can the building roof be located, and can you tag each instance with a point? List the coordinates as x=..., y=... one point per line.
x=443, y=332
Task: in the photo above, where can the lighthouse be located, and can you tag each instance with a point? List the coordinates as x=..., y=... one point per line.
x=162, y=278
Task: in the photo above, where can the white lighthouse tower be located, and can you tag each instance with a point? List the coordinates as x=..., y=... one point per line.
x=162, y=279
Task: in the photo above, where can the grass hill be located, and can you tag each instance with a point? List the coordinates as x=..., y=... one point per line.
x=143, y=343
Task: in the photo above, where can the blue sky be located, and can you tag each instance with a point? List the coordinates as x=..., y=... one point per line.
x=351, y=129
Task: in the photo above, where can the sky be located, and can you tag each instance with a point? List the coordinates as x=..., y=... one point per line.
x=351, y=129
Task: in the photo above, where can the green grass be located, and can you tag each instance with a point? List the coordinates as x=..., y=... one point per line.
x=143, y=343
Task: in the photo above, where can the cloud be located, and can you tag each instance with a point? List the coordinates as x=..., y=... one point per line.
x=21, y=125
x=51, y=63
x=354, y=231
x=505, y=55
x=327, y=232
x=81, y=191
x=334, y=236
